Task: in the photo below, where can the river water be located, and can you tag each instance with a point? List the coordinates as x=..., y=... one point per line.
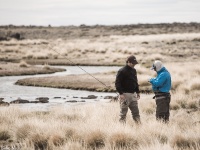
x=9, y=91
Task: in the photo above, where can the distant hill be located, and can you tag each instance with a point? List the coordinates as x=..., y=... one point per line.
x=84, y=31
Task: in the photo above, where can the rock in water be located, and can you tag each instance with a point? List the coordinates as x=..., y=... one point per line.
x=43, y=99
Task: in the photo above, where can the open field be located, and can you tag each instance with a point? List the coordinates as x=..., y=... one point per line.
x=169, y=42
x=110, y=50
x=96, y=126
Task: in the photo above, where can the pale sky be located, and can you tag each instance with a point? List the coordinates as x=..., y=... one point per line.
x=92, y=12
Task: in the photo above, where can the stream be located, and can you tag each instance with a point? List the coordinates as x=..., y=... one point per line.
x=9, y=91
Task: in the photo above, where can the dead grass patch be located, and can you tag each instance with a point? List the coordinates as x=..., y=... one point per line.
x=23, y=131
x=57, y=140
x=181, y=142
x=4, y=135
x=123, y=140
x=23, y=64
x=40, y=141
x=95, y=140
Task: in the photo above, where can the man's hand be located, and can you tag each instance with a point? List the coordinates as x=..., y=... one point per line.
x=138, y=96
x=122, y=97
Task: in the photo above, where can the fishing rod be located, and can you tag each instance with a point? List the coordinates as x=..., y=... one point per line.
x=82, y=69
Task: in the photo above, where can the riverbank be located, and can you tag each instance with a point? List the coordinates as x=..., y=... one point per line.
x=22, y=68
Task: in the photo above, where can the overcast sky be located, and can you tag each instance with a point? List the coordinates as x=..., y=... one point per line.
x=92, y=12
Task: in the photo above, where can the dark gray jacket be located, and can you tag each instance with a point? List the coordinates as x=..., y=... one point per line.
x=126, y=80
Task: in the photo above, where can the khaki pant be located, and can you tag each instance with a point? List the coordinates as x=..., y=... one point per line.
x=131, y=103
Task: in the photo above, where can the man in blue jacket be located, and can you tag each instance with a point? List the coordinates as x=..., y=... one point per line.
x=161, y=86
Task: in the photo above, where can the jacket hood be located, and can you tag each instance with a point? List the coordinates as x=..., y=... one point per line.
x=157, y=65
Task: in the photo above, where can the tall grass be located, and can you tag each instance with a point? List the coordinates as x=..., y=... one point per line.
x=96, y=126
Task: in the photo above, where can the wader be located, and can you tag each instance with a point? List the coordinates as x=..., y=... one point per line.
x=162, y=103
x=131, y=102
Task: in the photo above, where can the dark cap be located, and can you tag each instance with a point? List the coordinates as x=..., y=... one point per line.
x=132, y=60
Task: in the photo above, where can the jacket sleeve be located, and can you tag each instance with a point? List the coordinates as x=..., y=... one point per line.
x=118, y=82
x=159, y=81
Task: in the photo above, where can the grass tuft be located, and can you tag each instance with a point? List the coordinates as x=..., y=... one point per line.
x=174, y=106
x=182, y=103
x=57, y=140
x=23, y=131
x=72, y=135
x=182, y=142
x=23, y=64
x=4, y=135
x=39, y=141
x=122, y=140
x=95, y=140
x=46, y=67
x=192, y=105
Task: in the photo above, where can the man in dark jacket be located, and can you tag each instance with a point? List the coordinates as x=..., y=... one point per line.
x=161, y=86
x=127, y=86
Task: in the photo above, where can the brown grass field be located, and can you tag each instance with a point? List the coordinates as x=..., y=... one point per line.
x=96, y=126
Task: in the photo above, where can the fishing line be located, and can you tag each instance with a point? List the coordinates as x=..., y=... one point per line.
x=82, y=69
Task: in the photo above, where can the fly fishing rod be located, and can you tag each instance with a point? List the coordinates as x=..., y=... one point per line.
x=82, y=69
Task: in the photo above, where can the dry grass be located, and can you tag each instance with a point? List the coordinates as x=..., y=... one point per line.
x=109, y=50
x=4, y=135
x=98, y=128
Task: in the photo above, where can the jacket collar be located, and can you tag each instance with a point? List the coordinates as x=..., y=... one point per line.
x=161, y=70
x=128, y=67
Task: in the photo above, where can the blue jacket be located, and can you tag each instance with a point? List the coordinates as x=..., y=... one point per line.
x=162, y=83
